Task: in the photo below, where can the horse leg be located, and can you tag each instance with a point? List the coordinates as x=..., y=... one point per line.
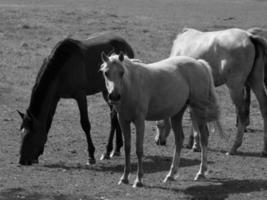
x=193, y=141
x=247, y=105
x=140, y=128
x=239, y=101
x=86, y=126
x=204, y=146
x=195, y=132
x=126, y=131
x=247, y=96
x=115, y=127
x=176, y=122
x=260, y=93
x=119, y=141
x=109, y=146
x=190, y=142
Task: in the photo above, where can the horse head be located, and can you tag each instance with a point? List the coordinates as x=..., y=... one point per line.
x=163, y=130
x=113, y=72
x=33, y=138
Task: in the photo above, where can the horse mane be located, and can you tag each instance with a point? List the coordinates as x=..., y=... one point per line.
x=50, y=69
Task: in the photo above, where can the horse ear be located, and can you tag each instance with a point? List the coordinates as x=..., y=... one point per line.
x=104, y=57
x=121, y=56
x=21, y=114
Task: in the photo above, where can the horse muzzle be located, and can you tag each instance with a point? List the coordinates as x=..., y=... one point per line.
x=114, y=98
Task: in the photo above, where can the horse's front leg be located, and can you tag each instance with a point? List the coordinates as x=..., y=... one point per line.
x=140, y=128
x=86, y=126
x=119, y=141
x=203, y=145
x=126, y=130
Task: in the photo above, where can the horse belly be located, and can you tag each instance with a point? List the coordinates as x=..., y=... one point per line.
x=167, y=103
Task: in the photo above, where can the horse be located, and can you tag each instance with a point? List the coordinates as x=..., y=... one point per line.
x=70, y=71
x=237, y=58
x=155, y=91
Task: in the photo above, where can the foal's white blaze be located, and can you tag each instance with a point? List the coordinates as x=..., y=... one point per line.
x=110, y=85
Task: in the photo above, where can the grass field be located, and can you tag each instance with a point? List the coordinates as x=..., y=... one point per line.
x=29, y=29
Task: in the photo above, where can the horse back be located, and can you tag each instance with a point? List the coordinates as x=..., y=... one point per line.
x=228, y=51
x=81, y=70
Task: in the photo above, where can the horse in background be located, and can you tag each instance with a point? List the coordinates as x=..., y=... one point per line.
x=70, y=71
x=237, y=59
x=136, y=90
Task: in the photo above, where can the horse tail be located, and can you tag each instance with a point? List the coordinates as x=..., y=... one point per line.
x=208, y=110
x=119, y=44
x=205, y=107
x=260, y=60
x=258, y=31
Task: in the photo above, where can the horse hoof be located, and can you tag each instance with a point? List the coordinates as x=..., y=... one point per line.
x=123, y=181
x=91, y=162
x=168, y=179
x=138, y=184
x=115, y=154
x=105, y=156
x=200, y=177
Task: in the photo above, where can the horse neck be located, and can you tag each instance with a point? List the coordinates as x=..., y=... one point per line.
x=47, y=106
x=133, y=80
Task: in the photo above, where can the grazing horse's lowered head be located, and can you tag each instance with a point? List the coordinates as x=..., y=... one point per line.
x=163, y=131
x=33, y=139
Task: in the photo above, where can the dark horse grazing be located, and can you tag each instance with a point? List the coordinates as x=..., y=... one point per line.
x=70, y=71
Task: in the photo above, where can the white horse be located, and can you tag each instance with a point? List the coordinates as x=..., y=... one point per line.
x=156, y=91
x=237, y=59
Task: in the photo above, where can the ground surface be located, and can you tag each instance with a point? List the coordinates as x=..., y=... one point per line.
x=28, y=31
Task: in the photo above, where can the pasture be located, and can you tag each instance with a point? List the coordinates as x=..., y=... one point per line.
x=29, y=29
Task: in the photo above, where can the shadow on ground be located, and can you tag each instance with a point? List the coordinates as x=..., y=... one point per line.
x=21, y=193
x=219, y=189
x=151, y=164
x=240, y=153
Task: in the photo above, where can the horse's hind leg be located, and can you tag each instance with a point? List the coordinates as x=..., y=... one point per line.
x=247, y=97
x=195, y=134
x=203, y=145
x=115, y=127
x=238, y=95
x=86, y=126
x=260, y=93
x=176, y=122
x=109, y=146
